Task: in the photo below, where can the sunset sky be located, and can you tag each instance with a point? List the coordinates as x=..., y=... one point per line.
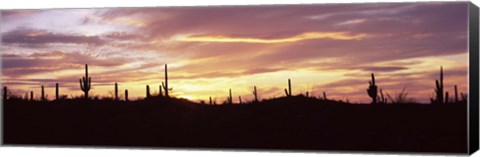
x=325, y=47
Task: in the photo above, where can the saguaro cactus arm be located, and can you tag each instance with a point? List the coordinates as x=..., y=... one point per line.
x=288, y=91
x=160, y=93
x=165, y=88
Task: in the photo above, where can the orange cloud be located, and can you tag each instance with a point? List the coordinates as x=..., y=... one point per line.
x=303, y=36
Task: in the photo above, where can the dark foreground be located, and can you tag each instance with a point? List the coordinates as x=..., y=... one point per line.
x=295, y=123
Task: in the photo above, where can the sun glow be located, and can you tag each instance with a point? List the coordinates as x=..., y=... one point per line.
x=303, y=36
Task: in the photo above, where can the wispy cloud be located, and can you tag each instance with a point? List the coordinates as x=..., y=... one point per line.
x=300, y=37
x=37, y=38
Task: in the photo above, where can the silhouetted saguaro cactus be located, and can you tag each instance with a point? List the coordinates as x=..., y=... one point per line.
x=439, y=88
x=5, y=91
x=166, y=82
x=116, y=91
x=230, y=100
x=210, y=102
x=85, y=82
x=43, y=94
x=240, y=99
x=255, y=93
x=31, y=95
x=289, y=91
x=372, y=90
x=456, y=94
x=289, y=88
x=306, y=94
x=126, y=95
x=324, y=96
x=148, y=91
x=56, y=92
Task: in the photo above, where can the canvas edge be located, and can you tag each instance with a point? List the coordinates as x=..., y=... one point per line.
x=473, y=116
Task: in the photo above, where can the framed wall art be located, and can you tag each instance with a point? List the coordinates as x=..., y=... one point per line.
x=370, y=77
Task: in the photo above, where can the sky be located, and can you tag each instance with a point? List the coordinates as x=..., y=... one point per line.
x=209, y=50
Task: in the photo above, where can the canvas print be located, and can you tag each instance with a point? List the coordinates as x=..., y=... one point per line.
x=390, y=77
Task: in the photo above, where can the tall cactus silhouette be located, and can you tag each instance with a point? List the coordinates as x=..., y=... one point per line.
x=210, y=102
x=148, y=91
x=165, y=86
x=56, y=92
x=255, y=93
x=31, y=95
x=230, y=100
x=43, y=94
x=5, y=91
x=456, y=94
x=126, y=95
x=85, y=82
x=372, y=89
x=439, y=88
x=116, y=91
x=240, y=99
x=324, y=96
x=289, y=91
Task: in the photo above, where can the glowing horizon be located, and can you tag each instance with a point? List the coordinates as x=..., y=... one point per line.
x=303, y=36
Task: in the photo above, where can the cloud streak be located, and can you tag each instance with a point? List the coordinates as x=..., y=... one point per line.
x=35, y=38
x=300, y=37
